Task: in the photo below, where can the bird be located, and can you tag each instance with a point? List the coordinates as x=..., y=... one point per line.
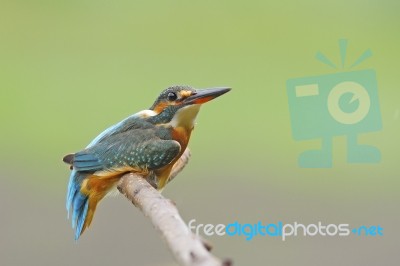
x=151, y=143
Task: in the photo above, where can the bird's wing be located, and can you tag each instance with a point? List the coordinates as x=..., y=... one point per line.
x=136, y=149
x=134, y=121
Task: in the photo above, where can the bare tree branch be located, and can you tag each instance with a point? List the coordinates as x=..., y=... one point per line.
x=180, y=164
x=187, y=248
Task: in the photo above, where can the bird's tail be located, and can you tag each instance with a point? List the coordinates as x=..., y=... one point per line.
x=84, y=192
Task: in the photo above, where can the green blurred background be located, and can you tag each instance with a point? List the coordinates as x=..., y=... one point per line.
x=69, y=69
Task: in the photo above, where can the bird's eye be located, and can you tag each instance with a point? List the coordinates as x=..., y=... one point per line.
x=172, y=96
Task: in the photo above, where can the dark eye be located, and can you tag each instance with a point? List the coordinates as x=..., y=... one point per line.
x=172, y=96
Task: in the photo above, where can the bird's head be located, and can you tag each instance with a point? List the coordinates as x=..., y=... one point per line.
x=178, y=105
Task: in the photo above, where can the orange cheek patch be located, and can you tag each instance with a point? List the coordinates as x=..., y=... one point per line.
x=160, y=107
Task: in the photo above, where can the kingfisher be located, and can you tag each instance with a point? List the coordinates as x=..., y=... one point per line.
x=151, y=143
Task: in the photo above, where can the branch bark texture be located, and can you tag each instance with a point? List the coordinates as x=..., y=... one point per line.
x=187, y=248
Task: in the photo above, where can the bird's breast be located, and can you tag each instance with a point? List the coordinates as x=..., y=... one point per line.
x=182, y=135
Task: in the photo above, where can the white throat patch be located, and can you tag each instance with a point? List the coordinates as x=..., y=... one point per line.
x=185, y=117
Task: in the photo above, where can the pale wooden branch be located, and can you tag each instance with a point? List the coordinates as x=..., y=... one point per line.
x=187, y=248
x=180, y=164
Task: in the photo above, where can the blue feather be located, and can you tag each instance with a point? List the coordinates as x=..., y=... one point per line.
x=81, y=219
x=86, y=162
x=83, y=157
x=76, y=202
x=118, y=127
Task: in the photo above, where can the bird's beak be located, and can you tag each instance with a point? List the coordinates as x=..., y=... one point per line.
x=203, y=96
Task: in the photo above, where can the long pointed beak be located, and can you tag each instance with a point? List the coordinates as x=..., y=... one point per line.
x=203, y=96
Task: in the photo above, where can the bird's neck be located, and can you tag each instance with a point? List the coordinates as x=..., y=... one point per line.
x=182, y=124
x=185, y=117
